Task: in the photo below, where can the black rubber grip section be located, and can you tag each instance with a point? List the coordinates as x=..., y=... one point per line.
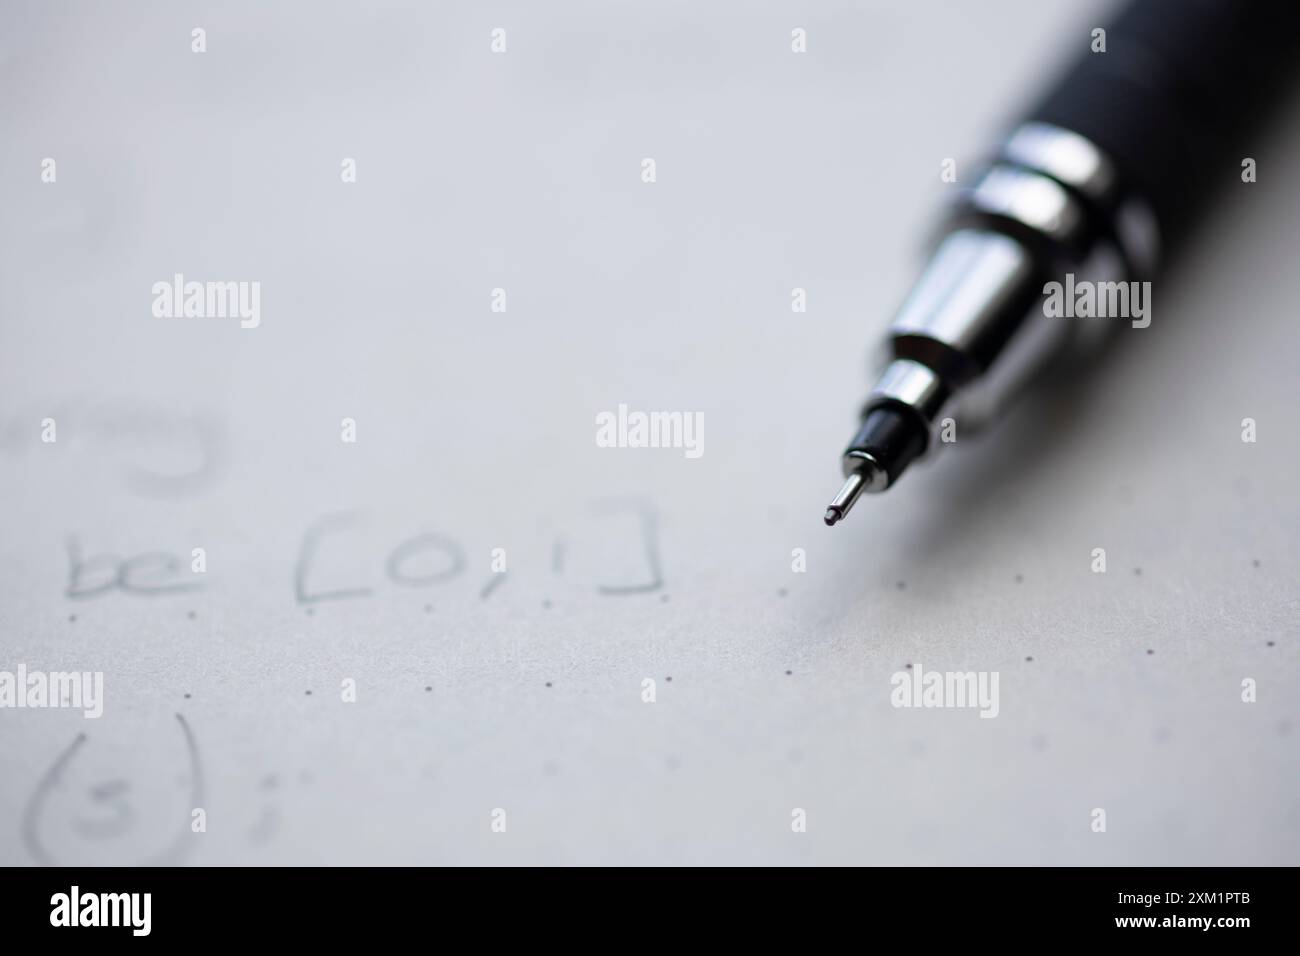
x=1177, y=97
x=893, y=435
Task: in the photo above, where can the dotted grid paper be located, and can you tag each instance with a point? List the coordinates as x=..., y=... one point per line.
x=363, y=588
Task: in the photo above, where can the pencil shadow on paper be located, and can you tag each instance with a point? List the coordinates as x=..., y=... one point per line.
x=969, y=483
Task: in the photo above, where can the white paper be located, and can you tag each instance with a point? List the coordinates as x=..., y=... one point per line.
x=477, y=693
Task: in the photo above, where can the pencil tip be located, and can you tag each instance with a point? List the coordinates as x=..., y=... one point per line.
x=842, y=502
